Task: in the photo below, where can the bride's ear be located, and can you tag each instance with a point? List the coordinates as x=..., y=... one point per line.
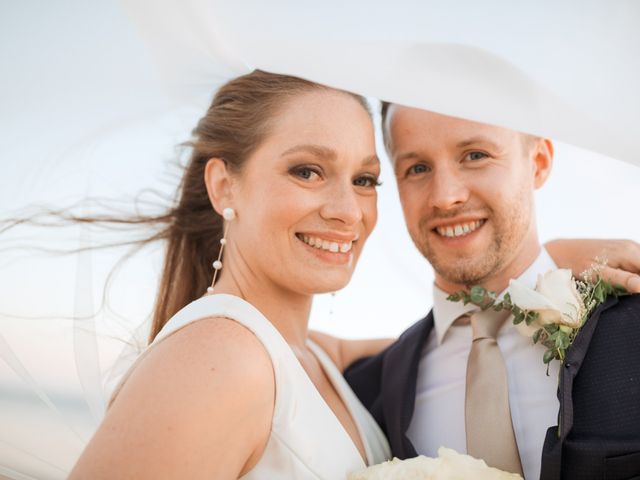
x=218, y=180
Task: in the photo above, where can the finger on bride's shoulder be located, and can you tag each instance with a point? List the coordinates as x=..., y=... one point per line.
x=205, y=393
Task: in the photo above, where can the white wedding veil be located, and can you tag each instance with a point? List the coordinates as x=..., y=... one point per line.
x=96, y=95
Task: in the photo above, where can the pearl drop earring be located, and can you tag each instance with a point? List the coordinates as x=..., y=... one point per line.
x=228, y=214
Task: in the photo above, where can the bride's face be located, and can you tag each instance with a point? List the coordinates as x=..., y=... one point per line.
x=306, y=199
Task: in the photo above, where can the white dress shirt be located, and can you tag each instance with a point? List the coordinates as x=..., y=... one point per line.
x=438, y=419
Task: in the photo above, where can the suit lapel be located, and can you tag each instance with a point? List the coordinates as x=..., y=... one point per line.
x=398, y=385
x=552, y=449
x=572, y=364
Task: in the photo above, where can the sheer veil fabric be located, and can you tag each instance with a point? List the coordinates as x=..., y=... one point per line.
x=81, y=79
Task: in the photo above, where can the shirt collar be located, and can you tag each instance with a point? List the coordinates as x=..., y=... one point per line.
x=446, y=312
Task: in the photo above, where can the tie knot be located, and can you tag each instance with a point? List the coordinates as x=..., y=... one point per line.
x=487, y=323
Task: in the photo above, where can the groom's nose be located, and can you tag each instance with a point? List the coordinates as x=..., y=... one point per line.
x=448, y=189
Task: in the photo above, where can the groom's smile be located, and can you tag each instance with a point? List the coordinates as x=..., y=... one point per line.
x=459, y=229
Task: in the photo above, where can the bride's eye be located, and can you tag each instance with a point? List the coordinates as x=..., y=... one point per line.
x=367, y=181
x=305, y=172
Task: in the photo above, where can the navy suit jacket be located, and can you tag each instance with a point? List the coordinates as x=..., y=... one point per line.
x=598, y=430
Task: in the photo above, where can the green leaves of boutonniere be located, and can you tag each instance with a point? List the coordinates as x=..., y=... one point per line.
x=552, y=313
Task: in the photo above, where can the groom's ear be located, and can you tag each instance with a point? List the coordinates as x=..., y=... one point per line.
x=542, y=153
x=218, y=180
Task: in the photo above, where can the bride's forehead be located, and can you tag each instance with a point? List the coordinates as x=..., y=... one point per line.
x=331, y=108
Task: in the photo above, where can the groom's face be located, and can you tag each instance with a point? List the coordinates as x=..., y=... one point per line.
x=467, y=192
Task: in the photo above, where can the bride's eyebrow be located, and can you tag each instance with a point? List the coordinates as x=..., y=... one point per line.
x=315, y=150
x=370, y=161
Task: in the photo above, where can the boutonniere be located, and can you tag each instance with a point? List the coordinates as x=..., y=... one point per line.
x=554, y=311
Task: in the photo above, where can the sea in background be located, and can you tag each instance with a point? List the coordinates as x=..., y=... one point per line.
x=43, y=442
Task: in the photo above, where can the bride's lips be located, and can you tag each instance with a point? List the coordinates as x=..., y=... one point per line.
x=333, y=247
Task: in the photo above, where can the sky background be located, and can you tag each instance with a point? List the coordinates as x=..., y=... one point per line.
x=84, y=115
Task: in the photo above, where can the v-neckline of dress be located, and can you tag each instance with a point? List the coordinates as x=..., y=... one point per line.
x=323, y=360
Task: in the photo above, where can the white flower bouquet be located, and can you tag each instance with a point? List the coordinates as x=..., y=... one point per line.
x=450, y=465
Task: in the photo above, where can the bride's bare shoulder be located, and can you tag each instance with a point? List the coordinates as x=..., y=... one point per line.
x=209, y=352
x=205, y=393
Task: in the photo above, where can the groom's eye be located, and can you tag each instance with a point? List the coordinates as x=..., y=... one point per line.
x=417, y=169
x=475, y=156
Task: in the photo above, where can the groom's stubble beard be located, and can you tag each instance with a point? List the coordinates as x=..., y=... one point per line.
x=510, y=225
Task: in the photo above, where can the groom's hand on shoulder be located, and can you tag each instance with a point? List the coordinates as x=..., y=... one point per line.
x=622, y=258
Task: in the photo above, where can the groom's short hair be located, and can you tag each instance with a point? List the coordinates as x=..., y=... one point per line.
x=527, y=138
x=384, y=109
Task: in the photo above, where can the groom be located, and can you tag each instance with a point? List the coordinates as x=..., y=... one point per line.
x=467, y=193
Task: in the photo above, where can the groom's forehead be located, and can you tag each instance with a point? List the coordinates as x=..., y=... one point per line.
x=414, y=118
x=419, y=125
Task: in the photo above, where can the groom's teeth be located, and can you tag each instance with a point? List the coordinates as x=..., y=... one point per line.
x=460, y=229
x=327, y=245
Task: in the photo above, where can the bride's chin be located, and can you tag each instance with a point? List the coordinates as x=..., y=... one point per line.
x=325, y=285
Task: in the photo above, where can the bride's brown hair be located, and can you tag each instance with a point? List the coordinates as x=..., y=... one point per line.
x=236, y=123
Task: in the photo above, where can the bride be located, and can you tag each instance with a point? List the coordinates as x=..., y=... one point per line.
x=282, y=179
x=231, y=386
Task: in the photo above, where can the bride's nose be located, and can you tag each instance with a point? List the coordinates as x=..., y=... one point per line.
x=341, y=202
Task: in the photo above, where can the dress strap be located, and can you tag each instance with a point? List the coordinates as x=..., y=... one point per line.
x=241, y=311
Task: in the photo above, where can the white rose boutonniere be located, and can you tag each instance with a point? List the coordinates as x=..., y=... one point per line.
x=555, y=299
x=553, y=312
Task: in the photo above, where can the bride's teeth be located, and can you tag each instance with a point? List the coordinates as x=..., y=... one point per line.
x=333, y=247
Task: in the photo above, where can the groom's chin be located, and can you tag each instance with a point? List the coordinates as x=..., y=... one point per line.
x=473, y=270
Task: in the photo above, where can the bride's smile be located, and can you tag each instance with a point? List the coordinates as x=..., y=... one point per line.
x=329, y=246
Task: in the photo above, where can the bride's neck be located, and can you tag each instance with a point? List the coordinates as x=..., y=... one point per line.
x=286, y=310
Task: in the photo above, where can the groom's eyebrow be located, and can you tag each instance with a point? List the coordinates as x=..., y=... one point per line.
x=476, y=140
x=408, y=156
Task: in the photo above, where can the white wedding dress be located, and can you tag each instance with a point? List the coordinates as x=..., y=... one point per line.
x=307, y=440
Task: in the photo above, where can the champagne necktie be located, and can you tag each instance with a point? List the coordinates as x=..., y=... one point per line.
x=490, y=433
